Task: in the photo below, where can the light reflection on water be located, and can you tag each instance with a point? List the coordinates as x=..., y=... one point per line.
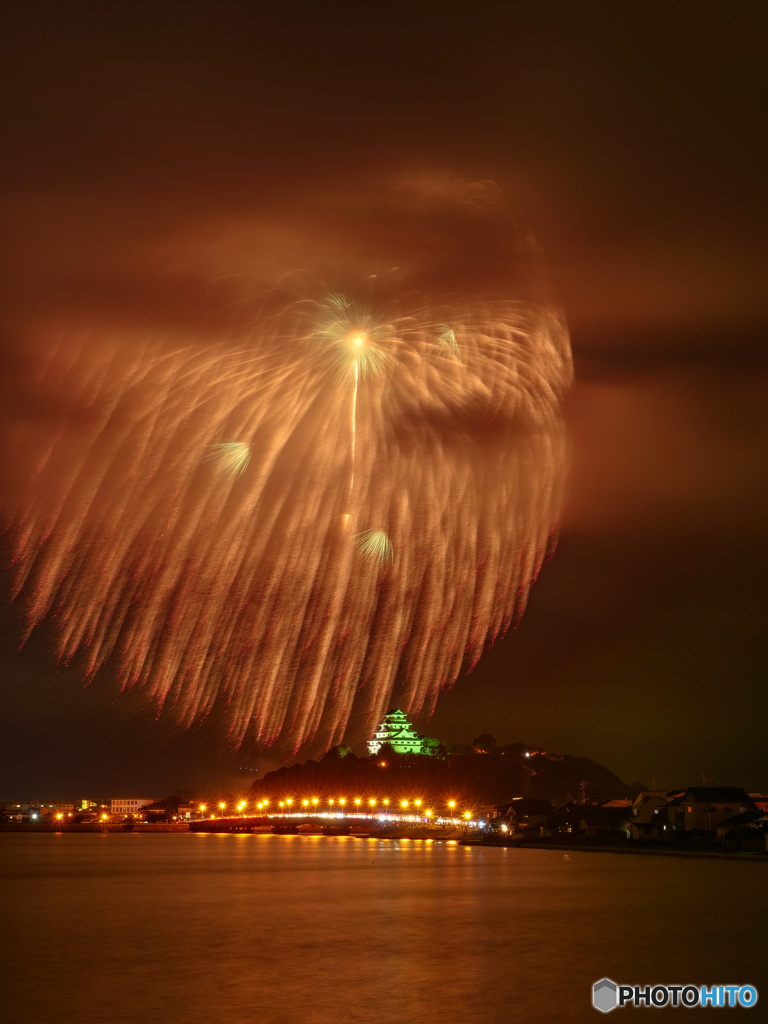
x=282, y=929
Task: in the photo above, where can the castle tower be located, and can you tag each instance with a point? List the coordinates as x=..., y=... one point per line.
x=396, y=730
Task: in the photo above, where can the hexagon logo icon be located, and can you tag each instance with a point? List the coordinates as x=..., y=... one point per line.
x=604, y=997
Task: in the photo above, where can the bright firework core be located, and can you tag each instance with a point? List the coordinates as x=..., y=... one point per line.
x=330, y=514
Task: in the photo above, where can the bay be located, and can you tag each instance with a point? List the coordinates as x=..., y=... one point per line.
x=240, y=928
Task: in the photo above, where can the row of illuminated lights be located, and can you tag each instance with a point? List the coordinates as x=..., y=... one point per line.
x=338, y=806
x=418, y=815
x=335, y=807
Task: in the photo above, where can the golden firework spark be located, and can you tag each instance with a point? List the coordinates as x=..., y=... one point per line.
x=232, y=456
x=375, y=544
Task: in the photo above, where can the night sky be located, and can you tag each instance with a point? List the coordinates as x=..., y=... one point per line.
x=150, y=149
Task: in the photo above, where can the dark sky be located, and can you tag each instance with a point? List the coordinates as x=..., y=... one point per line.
x=146, y=144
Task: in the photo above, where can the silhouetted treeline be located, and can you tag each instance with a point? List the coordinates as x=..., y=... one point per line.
x=467, y=775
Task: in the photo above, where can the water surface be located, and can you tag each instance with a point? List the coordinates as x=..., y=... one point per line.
x=281, y=929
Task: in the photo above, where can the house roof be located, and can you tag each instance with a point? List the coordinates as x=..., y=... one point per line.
x=650, y=796
x=745, y=818
x=718, y=794
x=607, y=816
x=527, y=806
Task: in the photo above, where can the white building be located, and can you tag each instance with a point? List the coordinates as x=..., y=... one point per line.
x=129, y=805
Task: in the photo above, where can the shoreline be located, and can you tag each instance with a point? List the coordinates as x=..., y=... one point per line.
x=457, y=837
x=643, y=851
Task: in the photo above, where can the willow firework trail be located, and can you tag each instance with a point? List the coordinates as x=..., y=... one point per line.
x=354, y=335
x=184, y=527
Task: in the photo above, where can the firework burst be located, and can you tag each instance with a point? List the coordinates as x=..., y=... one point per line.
x=355, y=338
x=232, y=456
x=375, y=544
x=216, y=573
x=447, y=346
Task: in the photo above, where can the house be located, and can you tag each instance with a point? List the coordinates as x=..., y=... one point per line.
x=746, y=830
x=523, y=813
x=704, y=807
x=646, y=822
x=589, y=822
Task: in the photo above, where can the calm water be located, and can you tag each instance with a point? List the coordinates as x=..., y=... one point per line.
x=245, y=928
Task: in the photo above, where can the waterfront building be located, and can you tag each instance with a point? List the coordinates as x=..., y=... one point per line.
x=524, y=813
x=51, y=810
x=704, y=807
x=588, y=821
x=397, y=731
x=646, y=817
x=129, y=805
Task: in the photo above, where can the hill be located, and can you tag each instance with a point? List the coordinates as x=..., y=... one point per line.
x=468, y=776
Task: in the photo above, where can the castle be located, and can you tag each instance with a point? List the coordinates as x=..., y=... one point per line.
x=397, y=731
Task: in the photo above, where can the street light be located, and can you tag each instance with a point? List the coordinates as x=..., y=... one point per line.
x=452, y=805
x=342, y=801
x=222, y=805
x=288, y=803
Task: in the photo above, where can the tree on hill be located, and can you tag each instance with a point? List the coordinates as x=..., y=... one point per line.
x=336, y=754
x=484, y=744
